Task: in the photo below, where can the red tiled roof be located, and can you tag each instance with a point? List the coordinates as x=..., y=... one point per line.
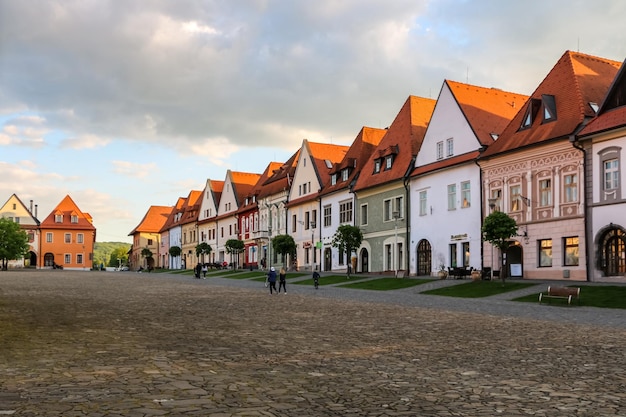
x=281, y=178
x=153, y=220
x=407, y=133
x=360, y=151
x=191, y=207
x=171, y=218
x=487, y=110
x=445, y=163
x=243, y=183
x=575, y=81
x=258, y=187
x=67, y=207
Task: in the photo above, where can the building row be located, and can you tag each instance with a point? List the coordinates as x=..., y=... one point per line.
x=420, y=188
x=64, y=239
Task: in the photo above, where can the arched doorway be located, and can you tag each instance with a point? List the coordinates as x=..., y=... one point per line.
x=30, y=259
x=424, y=258
x=328, y=259
x=364, y=260
x=613, y=252
x=514, y=263
x=48, y=260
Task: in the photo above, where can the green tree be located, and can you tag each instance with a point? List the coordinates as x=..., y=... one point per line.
x=119, y=257
x=147, y=253
x=347, y=239
x=284, y=245
x=13, y=242
x=234, y=247
x=175, y=251
x=497, y=229
x=203, y=249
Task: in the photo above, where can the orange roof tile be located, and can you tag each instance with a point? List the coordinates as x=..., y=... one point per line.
x=575, y=81
x=153, y=220
x=406, y=134
x=67, y=207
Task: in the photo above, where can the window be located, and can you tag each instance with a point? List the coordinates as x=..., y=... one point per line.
x=74, y=218
x=388, y=162
x=68, y=238
x=68, y=258
x=465, y=194
x=48, y=237
x=452, y=197
x=393, y=205
x=571, y=188
x=294, y=222
x=570, y=245
x=531, y=113
x=376, y=166
x=307, y=220
x=389, y=257
x=327, y=218
x=333, y=179
x=150, y=242
x=313, y=219
x=611, y=174
x=58, y=218
x=344, y=174
x=545, y=192
x=515, y=198
x=364, y=215
x=453, y=259
x=496, y=198
x=79, y=238
x=423, y=203
x=439, y=150
x=345, y=212
x=449, y=147
x=545, y=252
x=549, y=107
x=79, y=258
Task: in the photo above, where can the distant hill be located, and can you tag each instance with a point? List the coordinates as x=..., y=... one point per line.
x=103, y=250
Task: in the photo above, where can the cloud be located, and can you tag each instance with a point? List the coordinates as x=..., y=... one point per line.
x=133, y=169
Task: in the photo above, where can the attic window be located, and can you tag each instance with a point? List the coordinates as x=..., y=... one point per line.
x=58, y=218
x=329, y=164
x=74, y=218
x=388, y=162
x=549, y=108
x=376, y=166
x=333, y=179
x=594, y=106
x=531, y=113
x=344, y=174
x=494, y=136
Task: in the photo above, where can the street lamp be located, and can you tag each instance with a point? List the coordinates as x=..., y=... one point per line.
x=492, y=205
x=396, y=216
x=313, y=224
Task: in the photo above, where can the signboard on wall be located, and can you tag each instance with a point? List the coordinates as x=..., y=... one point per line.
x=516, y=270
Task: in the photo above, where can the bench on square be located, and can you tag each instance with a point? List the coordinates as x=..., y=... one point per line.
x=567, y=293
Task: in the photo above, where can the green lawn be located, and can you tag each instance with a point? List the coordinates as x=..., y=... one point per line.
x=605, y=296
x=478, y=289
x=326, y=280
x=386, y=284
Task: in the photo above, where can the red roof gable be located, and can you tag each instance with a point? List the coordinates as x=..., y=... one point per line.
x=404, y=136
x=153, y=220
x=68, y=208
x=575, y=81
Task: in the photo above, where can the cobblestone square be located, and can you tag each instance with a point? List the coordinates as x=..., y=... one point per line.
x=128, y=344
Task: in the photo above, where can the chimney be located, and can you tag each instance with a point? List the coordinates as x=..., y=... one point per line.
x=35, y=210
x=31, y=207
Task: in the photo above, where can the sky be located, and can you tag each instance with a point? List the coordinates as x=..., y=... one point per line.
x=127, y=104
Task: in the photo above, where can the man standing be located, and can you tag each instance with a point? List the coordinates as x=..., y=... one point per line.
x=271, y=278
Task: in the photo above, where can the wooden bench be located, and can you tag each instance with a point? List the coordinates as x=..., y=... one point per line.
x=567, y=293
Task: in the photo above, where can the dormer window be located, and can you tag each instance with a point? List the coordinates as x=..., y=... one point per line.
x=388, y=161
x=58, y=218
x=344, y=174
x=531, y=113
x=549, y=107
x=74, y=218
x=333, y=179
x=494, y=136
x=376, y=166
x=594, y=106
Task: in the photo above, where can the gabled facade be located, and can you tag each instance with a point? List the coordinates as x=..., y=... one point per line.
x=337, y=196
x=147, y=235
x=382, y=190
x=533, y=173
x=236, y=186
x=207, y=219
x=171, y=236
x=604, y=144
x=17, y=212
x=445, y=184
x=272, y=200
x=315, y=162
x=189, y=229
x=248, y=217
x=67, y=237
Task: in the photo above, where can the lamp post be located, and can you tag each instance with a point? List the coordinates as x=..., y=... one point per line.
x=492, y=205
x=396, y=216
x=313, y=224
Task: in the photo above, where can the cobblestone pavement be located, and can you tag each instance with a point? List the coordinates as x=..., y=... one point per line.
x=127, y=344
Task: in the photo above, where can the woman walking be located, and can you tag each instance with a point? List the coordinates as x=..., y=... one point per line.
x=282, y=280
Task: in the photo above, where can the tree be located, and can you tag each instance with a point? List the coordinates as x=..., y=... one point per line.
x=234, y=246
x=119, y=257
x=284, y=245
x=147, y=253
x=13, y=242
x=497, y=229
x=175, y=251
x=347, y=238
x=203, y=249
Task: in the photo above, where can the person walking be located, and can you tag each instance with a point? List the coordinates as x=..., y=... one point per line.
x=198, y=270
x=282, y=280
x=271, y=278
x=204, y=270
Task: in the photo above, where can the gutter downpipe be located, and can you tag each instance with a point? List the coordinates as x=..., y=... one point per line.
x=407, y=217
x=574, y=141
x=482, y=215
